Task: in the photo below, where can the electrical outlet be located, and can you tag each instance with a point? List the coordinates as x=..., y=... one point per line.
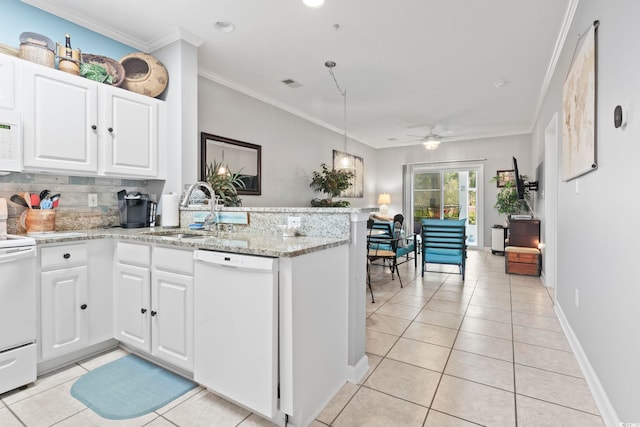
x=577, y=298
x=293, y=221
x=93, y=200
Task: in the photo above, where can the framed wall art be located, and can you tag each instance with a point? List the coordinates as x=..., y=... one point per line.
x=505, y=176
x=579, y=108
x=357, y=167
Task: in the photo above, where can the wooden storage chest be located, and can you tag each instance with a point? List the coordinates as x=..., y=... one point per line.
x=524, y=261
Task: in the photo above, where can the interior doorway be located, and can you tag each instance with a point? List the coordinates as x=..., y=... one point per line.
x=550, y=194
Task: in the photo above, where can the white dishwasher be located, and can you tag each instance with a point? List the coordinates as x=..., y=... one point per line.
x=236, y=328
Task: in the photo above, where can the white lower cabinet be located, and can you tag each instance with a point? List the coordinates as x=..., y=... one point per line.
x=172, y=318
x=64, y=309
x=154, y=307
x=132, y=301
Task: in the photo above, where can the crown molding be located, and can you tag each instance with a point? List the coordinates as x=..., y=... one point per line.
x=100, y=28
x=176, y=35
x=555, y=57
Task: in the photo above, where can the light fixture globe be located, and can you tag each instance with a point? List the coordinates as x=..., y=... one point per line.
x=313, y=3
x=431, y=143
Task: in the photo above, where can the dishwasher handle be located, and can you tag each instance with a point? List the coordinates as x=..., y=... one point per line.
x=239, y=261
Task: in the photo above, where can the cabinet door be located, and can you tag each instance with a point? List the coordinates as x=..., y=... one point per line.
x=132, y=308
x=172, y=321
x=60, y=111
x=131, y=142
x=7, y=83
x=64, y=311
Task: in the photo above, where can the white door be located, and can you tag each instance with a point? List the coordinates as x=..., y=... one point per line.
x=65, y=321
x=172, y=318
x=132, y=306
x=131, y=138
x=60, y=121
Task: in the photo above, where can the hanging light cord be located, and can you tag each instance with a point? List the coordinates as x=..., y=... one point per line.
x=343, y=93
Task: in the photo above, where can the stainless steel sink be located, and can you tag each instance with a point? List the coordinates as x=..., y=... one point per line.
x=174, y=235
x=187, y=236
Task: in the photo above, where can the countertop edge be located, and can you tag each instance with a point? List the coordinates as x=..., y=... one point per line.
x=269, y=245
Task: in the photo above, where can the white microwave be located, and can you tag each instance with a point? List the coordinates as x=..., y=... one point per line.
x=10, y=141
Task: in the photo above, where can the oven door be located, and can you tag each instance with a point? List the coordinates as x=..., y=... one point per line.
x=17, y=296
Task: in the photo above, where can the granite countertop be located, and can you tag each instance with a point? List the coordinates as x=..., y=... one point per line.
x=272, y=245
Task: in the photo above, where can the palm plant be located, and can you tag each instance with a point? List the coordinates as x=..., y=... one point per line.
x=225, y=183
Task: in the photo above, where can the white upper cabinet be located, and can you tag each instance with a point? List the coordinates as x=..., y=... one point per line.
x=131, y=143
x=60, y=121
x=7, y=82
x=73, y=124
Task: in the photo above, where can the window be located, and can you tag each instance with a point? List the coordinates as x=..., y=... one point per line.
x=447, y=193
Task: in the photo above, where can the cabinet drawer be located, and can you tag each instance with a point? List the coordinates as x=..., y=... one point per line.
x=17, y=367
x=63, y=256
x=520, y=257
x=176, y=260
x=132, y=253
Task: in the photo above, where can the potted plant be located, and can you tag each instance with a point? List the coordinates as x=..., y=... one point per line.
x=507, y=201
x=224, y=183
x=332, y=182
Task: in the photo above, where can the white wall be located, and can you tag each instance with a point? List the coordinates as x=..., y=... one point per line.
x=596, y=240
x=292, y=148
x=498, y=153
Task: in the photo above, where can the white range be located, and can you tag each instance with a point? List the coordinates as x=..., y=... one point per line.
x=17, y=312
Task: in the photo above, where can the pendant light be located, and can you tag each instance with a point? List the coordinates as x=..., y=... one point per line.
x=222, y=170
x=345, y=162
x=313, y=3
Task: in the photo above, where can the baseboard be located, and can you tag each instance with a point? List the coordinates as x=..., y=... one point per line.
x=356, y=373
x=47, y=366
x=607, y=411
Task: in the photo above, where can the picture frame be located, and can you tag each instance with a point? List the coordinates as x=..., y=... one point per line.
x=579, y=108
x=241, y=157
x=504, y=176
x=357, y=167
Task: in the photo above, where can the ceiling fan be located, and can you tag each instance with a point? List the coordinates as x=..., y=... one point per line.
x=432, y=140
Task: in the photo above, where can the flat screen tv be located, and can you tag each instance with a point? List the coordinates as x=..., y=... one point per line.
x=519, y=182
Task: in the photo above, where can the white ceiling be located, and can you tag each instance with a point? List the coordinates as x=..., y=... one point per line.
x=407, y=65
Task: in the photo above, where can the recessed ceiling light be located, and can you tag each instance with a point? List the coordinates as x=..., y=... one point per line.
x=313, y=3
x=500, y=83
x=224, y=26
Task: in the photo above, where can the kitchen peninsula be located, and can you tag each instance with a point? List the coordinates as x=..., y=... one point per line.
x=319, y=299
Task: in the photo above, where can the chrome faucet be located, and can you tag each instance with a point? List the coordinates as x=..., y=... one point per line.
x=212, y=218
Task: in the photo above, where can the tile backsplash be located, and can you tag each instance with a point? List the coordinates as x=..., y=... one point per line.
x=73, y=212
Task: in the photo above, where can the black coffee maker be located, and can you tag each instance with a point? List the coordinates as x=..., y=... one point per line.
x=136, y=210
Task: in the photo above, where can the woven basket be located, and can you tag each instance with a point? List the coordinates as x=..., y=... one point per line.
x=113, y=67
x=38, y=54
x=37, y=48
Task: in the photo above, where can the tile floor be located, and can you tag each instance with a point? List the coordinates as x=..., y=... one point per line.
x=442, y=353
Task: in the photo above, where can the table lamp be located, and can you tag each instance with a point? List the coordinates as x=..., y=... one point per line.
x=383, y=200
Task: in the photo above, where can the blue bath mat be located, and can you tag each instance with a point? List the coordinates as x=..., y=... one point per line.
x=128, y=387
